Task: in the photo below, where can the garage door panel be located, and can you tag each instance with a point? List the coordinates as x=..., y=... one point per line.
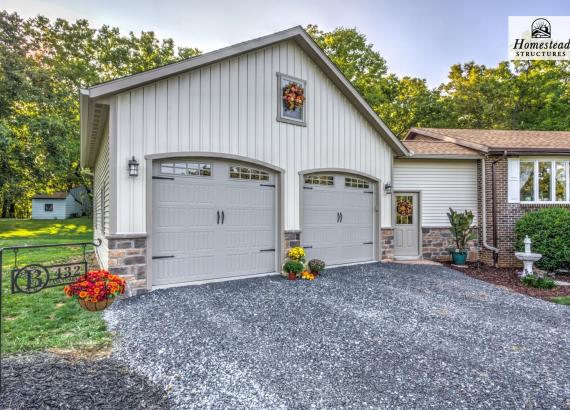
x=186, y=226
x=333, y=239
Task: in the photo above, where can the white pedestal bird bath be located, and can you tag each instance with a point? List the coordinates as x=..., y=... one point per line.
x=527, y=257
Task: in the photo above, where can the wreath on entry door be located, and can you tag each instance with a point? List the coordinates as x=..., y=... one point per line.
x=404, y=208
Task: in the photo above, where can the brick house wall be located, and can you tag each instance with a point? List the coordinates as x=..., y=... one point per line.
x=507, y=214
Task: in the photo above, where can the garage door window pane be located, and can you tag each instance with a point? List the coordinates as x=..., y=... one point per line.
x=186, y=168
x=327, y=180
x=237, y=172
x=356, y=183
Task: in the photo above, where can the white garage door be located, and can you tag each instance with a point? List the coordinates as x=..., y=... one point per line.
x=211, y=220
x=338, y=219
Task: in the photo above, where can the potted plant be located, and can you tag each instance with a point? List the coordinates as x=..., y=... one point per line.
x=96, y=290
x=316, y=266
x=461, y=230
x=296, y=254
x=293, y=269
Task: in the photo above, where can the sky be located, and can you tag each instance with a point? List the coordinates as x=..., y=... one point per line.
x=417, y=38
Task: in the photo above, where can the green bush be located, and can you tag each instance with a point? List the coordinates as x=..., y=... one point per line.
x=549, y=230
x=538, y=282
x=294, y=267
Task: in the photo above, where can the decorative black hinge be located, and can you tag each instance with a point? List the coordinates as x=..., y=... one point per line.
x=267, y=250
x=163, y=257
x=368, y=192
x=367, y=243
x=271, y=185
x=307, y=187
x=308, y=247
x=156, y=177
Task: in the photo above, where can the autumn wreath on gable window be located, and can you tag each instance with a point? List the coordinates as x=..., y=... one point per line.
x=293, y=96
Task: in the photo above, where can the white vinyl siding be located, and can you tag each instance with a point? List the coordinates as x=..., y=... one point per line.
x=39, y=212
x=231, y=107
x=442, y=184
x=101, y=207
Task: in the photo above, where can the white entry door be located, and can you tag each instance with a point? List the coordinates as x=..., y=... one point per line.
x=211, y=220
x=338, y=219
x=406, y=232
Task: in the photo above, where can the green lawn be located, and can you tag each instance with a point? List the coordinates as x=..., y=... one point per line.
x=563, y=300
x=47, y=319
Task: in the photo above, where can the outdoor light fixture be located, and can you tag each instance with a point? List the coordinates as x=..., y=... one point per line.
x=133, y=167
x=388, y=188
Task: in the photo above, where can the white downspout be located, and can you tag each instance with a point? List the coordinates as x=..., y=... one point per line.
x=484, y=208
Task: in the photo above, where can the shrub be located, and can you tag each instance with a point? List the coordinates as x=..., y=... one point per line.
x=295, y=267
x=538, y=282
x=316, y=265
x=549, y=230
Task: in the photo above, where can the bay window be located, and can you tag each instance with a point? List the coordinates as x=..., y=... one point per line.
x=544, y=180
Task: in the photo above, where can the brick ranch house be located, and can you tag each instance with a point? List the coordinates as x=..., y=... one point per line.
x=498, y=174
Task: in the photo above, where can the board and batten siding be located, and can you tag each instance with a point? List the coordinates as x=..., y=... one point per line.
x=101, y=190
x=231, y=107
x=443, y=184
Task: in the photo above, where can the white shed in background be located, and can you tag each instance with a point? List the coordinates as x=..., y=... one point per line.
x=60, y=205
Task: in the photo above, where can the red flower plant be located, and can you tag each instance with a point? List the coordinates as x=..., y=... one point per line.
x=96, y=286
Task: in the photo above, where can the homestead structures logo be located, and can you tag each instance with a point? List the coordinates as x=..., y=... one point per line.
x=540, y=28
x=539, y=38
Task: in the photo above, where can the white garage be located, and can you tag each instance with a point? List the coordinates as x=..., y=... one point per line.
x=201, y=166
x=211, y=219
x=338, y=218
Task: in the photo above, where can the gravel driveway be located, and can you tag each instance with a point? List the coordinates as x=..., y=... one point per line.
x=379, y=335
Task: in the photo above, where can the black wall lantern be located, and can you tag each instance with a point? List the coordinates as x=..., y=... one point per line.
x=388, y=188
x=133, y=167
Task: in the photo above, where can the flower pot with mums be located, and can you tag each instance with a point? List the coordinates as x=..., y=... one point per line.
x=293, y=269
x=96, y=290
x=316, y=266
x=296, y=254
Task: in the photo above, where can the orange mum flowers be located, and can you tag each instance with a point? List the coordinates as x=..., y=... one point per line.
x=96, y=286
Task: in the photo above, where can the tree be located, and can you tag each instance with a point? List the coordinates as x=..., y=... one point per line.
x=42, y=66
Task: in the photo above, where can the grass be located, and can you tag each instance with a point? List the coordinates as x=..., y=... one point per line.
x=47, y=319
x=563, y=300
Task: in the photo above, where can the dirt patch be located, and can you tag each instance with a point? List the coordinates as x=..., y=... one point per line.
x=508, y=278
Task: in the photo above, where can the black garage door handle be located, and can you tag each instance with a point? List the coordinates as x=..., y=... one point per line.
x=223, y=217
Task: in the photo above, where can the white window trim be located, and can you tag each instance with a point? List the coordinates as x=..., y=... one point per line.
x=553, y=162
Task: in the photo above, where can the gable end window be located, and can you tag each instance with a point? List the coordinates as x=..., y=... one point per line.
x=48, y=207
x=544, y=180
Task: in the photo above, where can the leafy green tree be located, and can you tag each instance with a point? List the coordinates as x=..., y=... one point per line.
x=42, y=66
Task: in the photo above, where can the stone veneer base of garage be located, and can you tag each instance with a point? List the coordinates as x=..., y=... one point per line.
x=127, y=258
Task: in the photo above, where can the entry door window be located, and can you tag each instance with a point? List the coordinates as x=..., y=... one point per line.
x=404, y=209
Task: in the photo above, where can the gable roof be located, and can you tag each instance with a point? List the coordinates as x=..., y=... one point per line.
x=496, y=141
x=439, y=149
x=89, y=96
x=55, y=195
